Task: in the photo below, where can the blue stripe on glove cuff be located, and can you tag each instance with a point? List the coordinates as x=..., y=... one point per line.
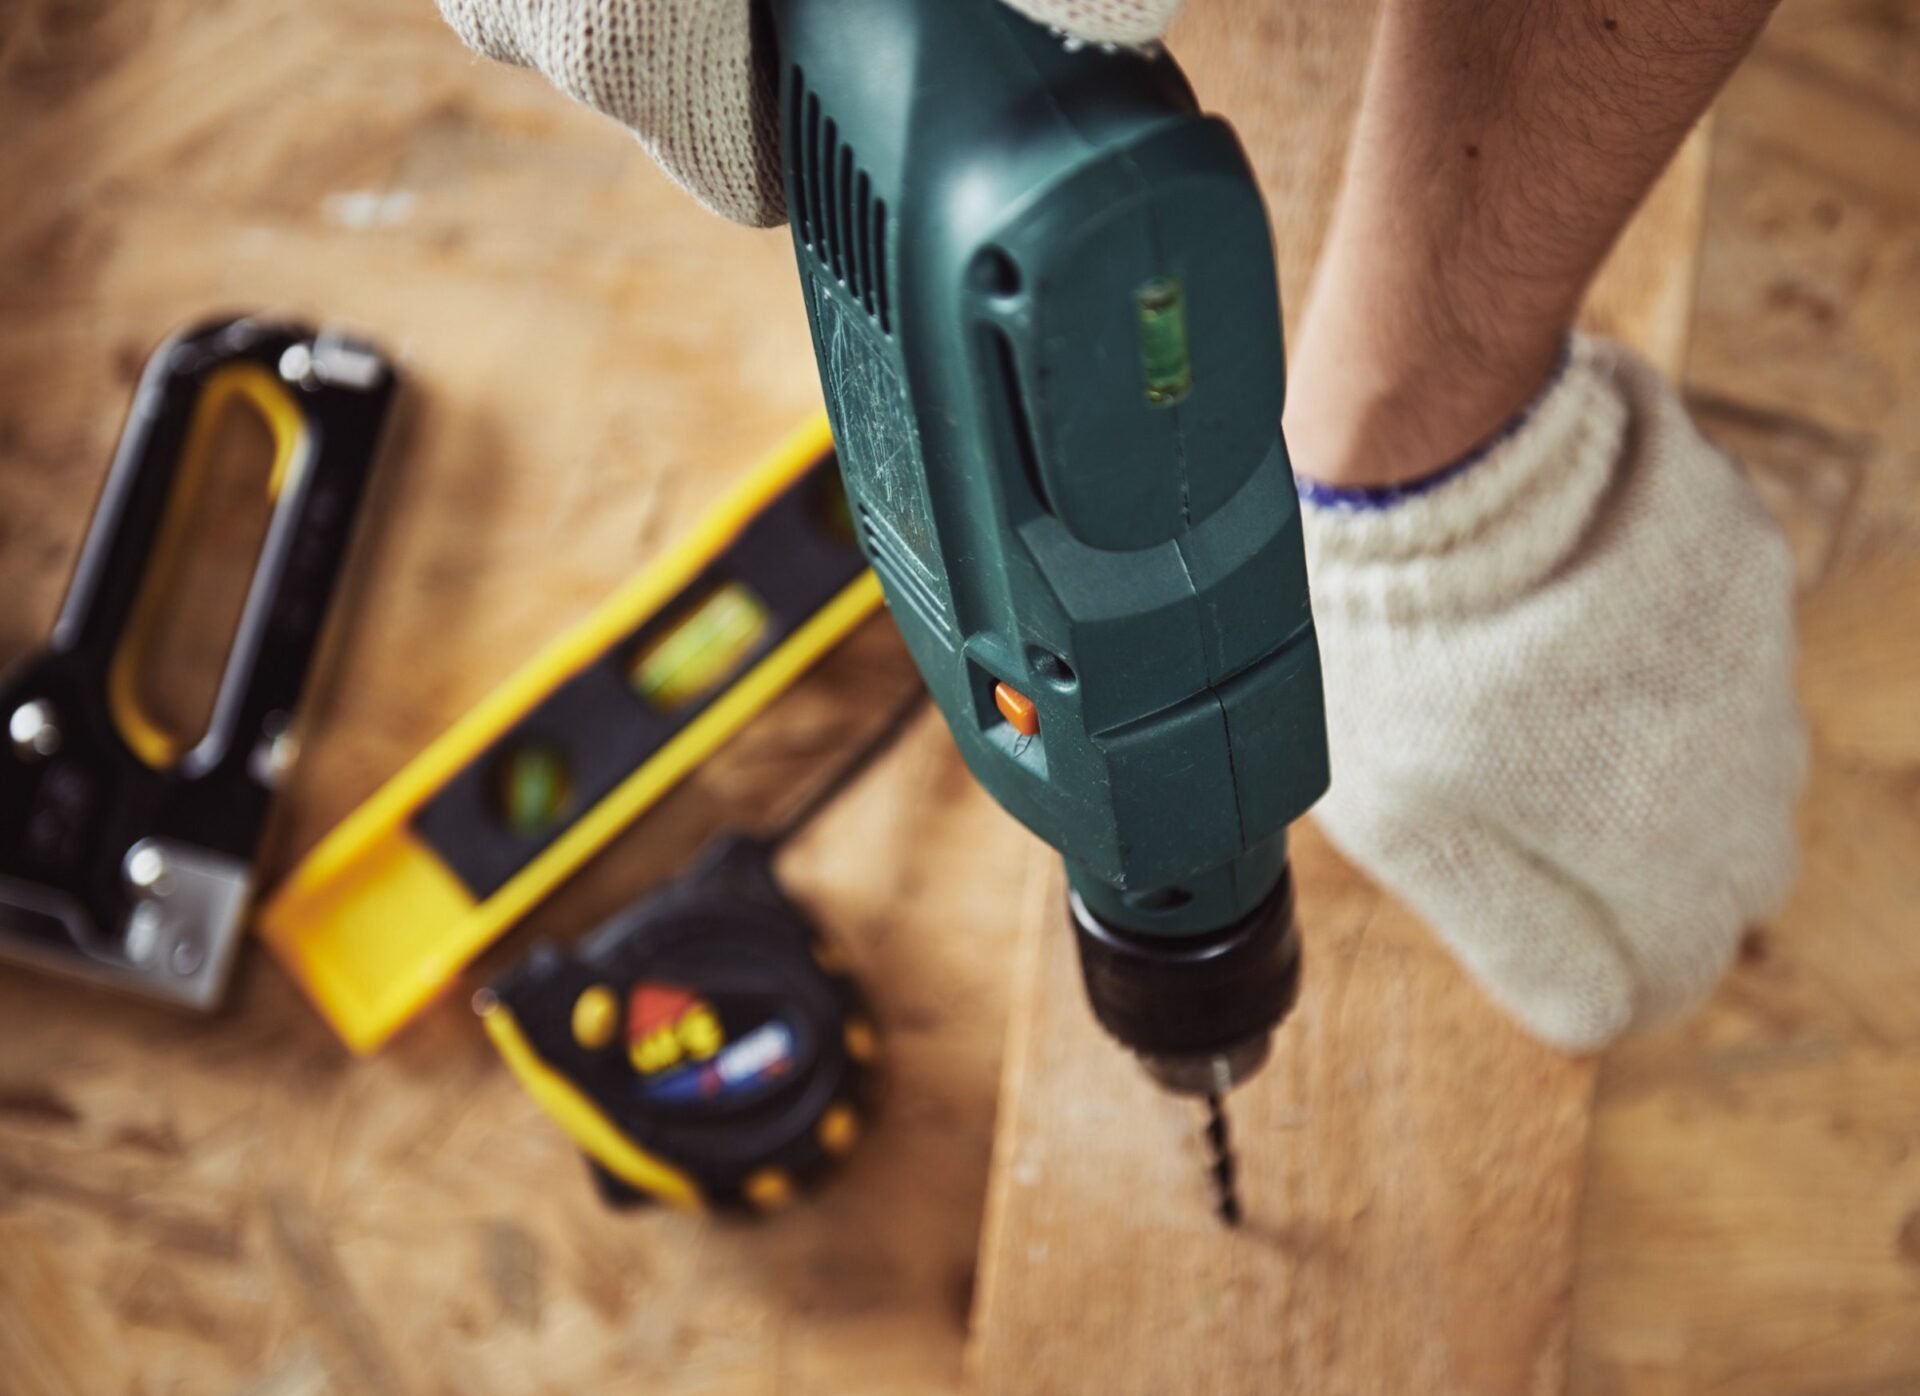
x=1324, y=496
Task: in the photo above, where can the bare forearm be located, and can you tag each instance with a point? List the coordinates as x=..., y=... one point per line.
x=1500, y=148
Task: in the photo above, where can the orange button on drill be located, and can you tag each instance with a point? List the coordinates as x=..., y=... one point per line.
x=1017, y=709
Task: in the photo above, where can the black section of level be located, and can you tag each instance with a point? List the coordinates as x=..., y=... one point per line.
x=794, y=556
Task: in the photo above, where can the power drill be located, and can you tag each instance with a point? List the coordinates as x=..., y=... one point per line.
x=1042, y=294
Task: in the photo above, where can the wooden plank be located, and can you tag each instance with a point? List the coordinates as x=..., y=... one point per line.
x=1752, y=1219
x=1411, y=1163
x=1410, y=1171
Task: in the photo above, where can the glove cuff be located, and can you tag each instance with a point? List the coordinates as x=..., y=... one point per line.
x=1126, y=23
x=1486, y=528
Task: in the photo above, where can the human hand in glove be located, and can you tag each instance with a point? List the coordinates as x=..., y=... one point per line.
x=682, y=76
x=1560, y=703
x=1558, y=671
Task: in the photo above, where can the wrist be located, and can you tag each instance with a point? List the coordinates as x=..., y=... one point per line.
x=1490, y=529
x=1408, y=359
x=1398, y=487
x=1391, y=407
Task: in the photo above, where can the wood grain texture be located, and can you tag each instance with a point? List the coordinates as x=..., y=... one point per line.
x=191, y=1207
x=1411, y=1163
x=1410, y=1170
x=235, y=1207
x=1752, y=1219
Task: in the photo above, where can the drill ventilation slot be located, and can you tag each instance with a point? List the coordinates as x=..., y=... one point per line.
x=834, y=208
x=906, y=577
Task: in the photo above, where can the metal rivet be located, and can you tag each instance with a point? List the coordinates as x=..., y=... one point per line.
x=345, y=363
x=34, y=730
x=271, y=759
x=296, y=365
x=147, y=869
x=143, y=931
x=186, y=957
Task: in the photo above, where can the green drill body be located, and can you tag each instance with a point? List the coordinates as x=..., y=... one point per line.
x=1042, y=294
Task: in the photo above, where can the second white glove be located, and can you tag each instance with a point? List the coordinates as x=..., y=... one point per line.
x=682, y=76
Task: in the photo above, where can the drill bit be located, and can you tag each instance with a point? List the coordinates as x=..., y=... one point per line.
x=1226, y=1186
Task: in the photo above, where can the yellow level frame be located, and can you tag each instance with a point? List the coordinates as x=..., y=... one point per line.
x=374, y=926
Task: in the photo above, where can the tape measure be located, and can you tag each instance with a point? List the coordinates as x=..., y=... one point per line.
x=704, y=1047
x=698, y=1046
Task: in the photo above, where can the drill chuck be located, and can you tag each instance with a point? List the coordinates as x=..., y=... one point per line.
x=1198, y=1010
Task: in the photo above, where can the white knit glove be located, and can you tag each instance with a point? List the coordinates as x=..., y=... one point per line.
x=1560, y=703
x=681, y=75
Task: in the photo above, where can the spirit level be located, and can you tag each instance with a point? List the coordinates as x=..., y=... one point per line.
x=386, y=911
